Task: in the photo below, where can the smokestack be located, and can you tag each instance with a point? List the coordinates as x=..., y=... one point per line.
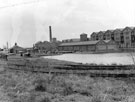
x=50, y=32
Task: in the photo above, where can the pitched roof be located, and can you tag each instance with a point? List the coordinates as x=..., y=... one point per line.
x=79, y=43
x=16, y=47
x=131, y=28
x=75, y=40
x=94, y=33
x=83, y=34
x=107, y=41
x=118, y=29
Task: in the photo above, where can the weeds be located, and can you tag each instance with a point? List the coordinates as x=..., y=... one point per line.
x=30, y=87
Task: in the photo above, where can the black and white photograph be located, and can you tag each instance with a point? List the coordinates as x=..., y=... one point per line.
x=67, y=50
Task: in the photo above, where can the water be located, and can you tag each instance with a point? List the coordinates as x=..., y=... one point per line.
x=108, y=58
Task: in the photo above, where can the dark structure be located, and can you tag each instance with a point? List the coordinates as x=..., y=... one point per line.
x=89, y=46
x=83, y=37
x=16, y=49
x=50, y=32
x=54, y=39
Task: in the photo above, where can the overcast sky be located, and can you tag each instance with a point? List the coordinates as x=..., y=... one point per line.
x=27, y=21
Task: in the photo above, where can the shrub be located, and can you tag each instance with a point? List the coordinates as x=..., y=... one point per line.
x=40, y=85
x=43, y=99
x=68, y=90
x=96, y=99
x=58, y=81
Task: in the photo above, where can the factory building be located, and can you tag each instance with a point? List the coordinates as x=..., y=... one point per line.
x=125, y=37
x=110, y=40
x=88, y=46
x=102, y=41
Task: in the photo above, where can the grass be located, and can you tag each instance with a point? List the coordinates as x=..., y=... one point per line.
x=52, y=65
x=37, y=87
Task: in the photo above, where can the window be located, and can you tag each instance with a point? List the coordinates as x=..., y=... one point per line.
x=121, y=34
x=132, y=33
x=104, y=38
x=112, y=36
x=96, y=37
x=127, y=37
x=122, y=39
x=132, y=38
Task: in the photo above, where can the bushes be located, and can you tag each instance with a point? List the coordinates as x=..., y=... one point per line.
x=67, y=90
x=33, y=97
x=96, y=99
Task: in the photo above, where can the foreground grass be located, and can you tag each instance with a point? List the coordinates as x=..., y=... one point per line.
x=37, y=87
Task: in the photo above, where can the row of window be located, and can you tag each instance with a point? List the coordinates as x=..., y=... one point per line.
x=108, y=36
x=117, y=39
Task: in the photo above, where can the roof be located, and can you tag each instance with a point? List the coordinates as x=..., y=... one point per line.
x=118, y=30
x=130, y=27
x=80, y=43
x=83, y=34
x=75, y=40
x=84, y=43
x=38, y=42
x=107, y=41
x=94, y=33
x=16, y=47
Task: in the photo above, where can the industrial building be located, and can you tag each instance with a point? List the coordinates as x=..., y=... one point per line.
x=45, y=46
x=110, y=40
x=102, y=41
x=91, y=46
x=16, y=49
x=125, y=37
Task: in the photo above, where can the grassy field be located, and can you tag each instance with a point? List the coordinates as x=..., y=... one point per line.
x=20, y=86
x=36, y=87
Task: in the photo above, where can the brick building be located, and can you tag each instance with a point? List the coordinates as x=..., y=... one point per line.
x=89, y=46
x=125, y=38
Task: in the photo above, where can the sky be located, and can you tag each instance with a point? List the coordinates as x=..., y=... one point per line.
x=28, y=21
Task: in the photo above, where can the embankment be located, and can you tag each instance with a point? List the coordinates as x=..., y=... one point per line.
x=64, y=67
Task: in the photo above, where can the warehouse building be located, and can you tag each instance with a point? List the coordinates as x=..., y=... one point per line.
x=89, y=46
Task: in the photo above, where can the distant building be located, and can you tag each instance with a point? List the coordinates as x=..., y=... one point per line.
x=44, y=47
x=94, y=36
x=117, y=36
x=71, y=40
x=92, y=46
x=108, y=35
x=54, y=39
x=100, y=36
x=16, y=49
x=125, y=37
x=83, y=37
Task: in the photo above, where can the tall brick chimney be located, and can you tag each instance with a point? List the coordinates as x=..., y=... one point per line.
x=50, y=32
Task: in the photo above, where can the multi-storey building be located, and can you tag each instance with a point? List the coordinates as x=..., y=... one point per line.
x=125, y=38
x=93, y=36
x=110, y=40
x=133, y=38
x=100, y=35
x=117, y=35
x=109, y=35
